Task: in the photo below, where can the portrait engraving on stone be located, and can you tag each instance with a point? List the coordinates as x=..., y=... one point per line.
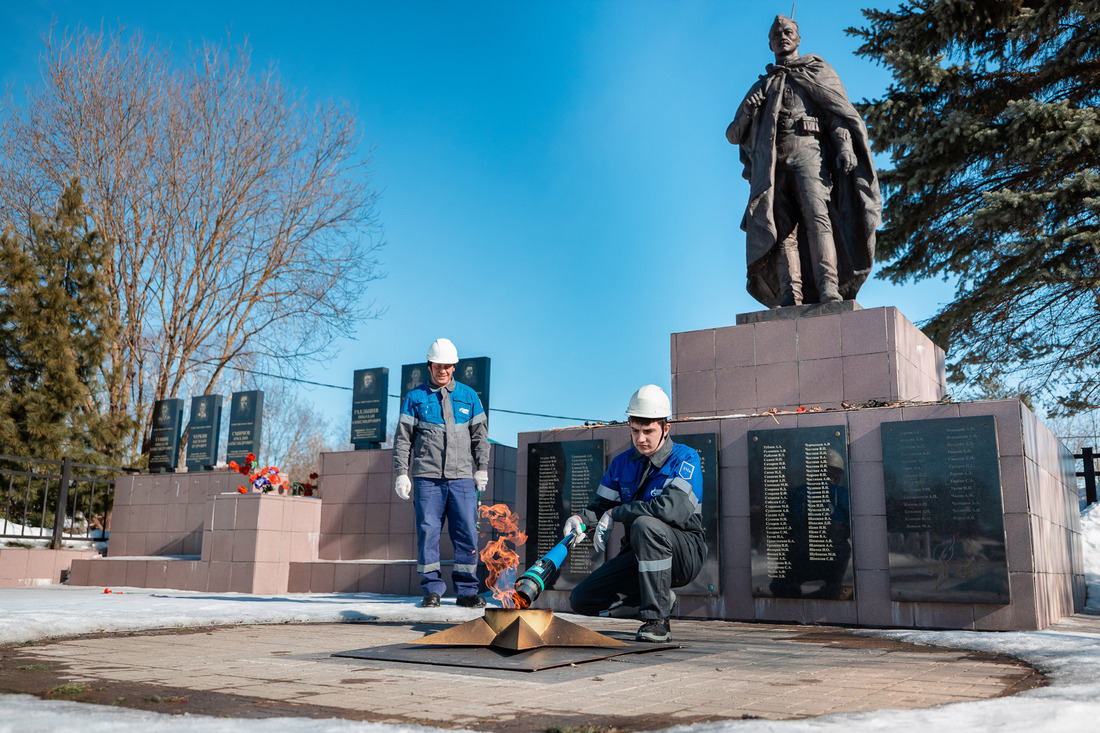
x=474, y=373
x=369, y=400
x=164, y=436
x=412, y=376
x=245, y=425
x=203, y=432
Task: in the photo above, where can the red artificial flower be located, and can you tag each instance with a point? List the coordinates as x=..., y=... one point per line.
x=313, y=476
x=242, y=490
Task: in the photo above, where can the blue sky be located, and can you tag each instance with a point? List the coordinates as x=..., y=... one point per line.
x=555, y=186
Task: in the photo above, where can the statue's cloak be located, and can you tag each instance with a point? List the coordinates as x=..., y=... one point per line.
x=856, y=205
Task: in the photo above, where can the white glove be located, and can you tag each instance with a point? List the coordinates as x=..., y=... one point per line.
x=403, y=487
x=481, y=480
x=602, y=530
x=574, y=526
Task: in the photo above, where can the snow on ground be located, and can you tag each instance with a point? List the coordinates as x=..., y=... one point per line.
x=1071, y=704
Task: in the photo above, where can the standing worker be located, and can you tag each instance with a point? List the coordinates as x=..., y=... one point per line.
x=656, y=491
x=442, y=443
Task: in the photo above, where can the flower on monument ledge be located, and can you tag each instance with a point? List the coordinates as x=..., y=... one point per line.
x=241, y=490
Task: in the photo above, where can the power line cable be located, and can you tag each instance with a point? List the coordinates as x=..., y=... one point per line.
x=393, y=396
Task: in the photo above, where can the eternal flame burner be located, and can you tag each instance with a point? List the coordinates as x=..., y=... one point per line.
x=518, y=630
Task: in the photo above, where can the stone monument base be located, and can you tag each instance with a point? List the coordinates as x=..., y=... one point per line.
x=816, y=359
x=858, y=374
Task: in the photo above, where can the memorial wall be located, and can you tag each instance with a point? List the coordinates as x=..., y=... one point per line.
x=923, y=516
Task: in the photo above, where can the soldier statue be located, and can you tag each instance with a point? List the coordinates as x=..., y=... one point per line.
x=814, y=202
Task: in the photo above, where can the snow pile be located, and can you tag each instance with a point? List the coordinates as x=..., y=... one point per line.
x=1090, y=546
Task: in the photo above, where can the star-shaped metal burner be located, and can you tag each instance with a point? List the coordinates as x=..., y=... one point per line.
x=518, y=630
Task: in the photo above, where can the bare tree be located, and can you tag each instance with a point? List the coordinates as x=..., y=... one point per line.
x=242, y=216
x=295, y=434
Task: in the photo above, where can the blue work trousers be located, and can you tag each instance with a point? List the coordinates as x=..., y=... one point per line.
x=453, y=500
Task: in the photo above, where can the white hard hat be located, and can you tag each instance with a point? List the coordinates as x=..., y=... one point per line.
x=649, y=402
x=442, y=351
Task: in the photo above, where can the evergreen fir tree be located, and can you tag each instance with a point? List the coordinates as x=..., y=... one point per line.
x=54, y=336
x=994, y=135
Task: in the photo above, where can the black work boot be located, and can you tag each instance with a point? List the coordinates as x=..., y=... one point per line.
x=471, y=601
x=431, y=600
x=657, y=631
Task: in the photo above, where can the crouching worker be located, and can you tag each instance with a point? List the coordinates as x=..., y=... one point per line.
x=656, y=491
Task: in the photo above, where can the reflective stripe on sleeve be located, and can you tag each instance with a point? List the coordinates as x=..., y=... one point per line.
x=407, y=419
x=655, y=566
x=479, y=418
x=606, y=492
x=685, y=487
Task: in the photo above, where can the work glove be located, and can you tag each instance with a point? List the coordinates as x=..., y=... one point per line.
x=403, y=487
x=574, y=526
x=481, y=480
x=603, y=529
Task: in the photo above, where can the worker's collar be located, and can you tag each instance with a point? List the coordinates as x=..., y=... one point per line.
x=660, y=455
x=449, y=386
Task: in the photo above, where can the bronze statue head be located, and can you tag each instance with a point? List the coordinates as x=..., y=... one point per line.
x=783, y=38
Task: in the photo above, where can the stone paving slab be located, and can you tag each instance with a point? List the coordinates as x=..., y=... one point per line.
x=721, y=670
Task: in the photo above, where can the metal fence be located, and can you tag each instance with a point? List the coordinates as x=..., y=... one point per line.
x=1088, y=461
x=55, y=499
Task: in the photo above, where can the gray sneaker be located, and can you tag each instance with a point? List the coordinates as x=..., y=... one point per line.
x=656, y=631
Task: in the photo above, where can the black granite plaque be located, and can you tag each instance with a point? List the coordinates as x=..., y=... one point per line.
x=944, y=516
x=412, y=376
x=203, y=432
x=561, y=479
x=708, y=582
x=800, y=513
x=164, y=436
x=246, y=413
x=473, y=372
x=369, y=400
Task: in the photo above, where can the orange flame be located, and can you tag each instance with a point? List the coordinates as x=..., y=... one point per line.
x=500, y=556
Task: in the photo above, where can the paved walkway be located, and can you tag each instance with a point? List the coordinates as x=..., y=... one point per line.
x=722, y=671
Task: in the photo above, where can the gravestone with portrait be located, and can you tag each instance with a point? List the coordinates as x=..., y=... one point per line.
x=944, y=513
x=246, y=412
x=800, y=518
x=562, y=477
x=473, y=372
x=369, y=400
x=412, y=376
x=203, y=432
x=164, y=437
